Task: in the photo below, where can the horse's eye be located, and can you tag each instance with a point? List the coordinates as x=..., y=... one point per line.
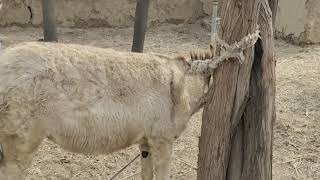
x=1, y=154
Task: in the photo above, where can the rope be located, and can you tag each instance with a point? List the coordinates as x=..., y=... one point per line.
x=122, y=169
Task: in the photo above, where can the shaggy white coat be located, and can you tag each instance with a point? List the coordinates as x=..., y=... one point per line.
x=93, y=101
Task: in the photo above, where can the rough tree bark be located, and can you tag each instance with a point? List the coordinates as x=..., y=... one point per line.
x=140, y=25
x=236, y=134
x=260, y=111
x=274, y=9
x=49, y=20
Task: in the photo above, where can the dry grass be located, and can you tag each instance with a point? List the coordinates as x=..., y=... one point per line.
x=297, y=130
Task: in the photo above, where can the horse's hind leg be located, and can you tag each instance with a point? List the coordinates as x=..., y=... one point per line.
x=18, y=143
x=161, y=155
x=17, y=153
x=146, y=161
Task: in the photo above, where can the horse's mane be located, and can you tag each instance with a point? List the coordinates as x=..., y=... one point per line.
x=197, y=54
x=200, y=55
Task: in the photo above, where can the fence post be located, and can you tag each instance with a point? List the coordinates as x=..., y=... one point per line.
x=140, y=25
x=49, y=20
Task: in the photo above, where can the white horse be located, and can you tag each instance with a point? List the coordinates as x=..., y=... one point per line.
x=96, y=101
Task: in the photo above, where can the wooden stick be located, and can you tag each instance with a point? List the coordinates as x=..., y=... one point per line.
x=122, y=169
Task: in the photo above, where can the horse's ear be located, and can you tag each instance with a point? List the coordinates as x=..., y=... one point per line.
x=211, y=47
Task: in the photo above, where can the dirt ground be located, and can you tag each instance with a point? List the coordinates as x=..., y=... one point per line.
x=296, y=149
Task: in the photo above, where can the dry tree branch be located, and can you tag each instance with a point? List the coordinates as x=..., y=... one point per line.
x=228, y=51
x=208, y=66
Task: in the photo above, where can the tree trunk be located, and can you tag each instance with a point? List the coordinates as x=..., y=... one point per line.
x=140, y=25
x=236, y=134
x=274, y=9
x=49, y=20
x=260, y=111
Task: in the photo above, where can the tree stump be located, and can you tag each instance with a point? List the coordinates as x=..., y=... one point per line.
x=236, y=134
